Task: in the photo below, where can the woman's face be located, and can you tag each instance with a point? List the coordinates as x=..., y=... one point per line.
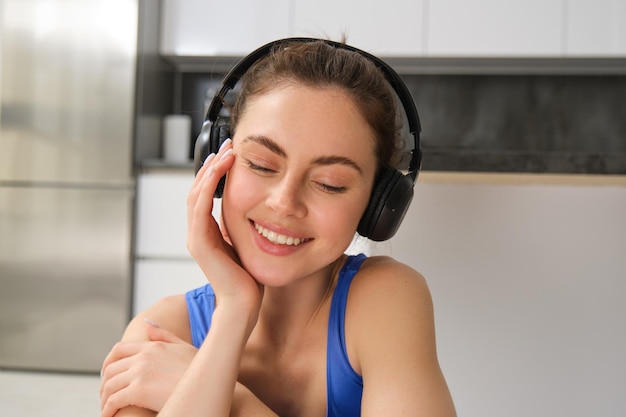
x=303, y=172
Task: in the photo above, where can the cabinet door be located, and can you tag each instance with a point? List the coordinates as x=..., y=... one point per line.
x=161, y=225
x=495, y=28
x=158, y=278
x=596, y=28
x=392, y=29
x=162, y=215
x=210, y=28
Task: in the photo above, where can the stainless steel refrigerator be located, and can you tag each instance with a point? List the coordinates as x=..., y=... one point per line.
x=68, y=70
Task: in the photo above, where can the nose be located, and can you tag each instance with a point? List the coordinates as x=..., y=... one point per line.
x=287, y=198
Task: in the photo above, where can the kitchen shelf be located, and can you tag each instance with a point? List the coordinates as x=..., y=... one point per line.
x=445, y=65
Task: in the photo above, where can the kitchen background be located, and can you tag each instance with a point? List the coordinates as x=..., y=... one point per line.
x=517, y=221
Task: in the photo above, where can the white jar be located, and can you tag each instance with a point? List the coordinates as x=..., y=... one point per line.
x=176, y=138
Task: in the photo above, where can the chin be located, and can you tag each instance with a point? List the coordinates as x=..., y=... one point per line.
x=269, y=270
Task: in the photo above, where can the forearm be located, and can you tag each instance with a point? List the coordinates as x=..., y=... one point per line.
x=135, y=412
x=246, y=404
x=208, y=384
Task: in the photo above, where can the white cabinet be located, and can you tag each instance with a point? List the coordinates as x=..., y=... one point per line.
x=213, y=28
x=395, y=28
x=596, y=28
x=162, y=214
x=158, y=278
x=487, y=28
x=224, y=28
x=401, y=28
x=163, y=266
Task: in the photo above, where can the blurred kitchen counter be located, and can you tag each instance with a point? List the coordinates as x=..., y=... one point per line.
x=158, y=166
x=442, y=177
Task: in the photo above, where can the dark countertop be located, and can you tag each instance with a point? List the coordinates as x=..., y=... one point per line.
x=524, y=162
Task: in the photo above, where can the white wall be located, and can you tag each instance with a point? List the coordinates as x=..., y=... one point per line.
x=529, y=285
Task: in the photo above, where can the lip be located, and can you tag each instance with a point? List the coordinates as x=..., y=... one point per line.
x=274, y=248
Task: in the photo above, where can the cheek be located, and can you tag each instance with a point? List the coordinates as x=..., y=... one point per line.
x=340, y=218
x=238, y=192
x=240, y=187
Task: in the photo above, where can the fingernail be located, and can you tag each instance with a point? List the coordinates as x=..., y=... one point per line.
x=208, y=158
x=226, y=142
x=150, y=322
x=227, y=154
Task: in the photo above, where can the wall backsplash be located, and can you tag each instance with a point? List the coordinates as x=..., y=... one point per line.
x=501, y=123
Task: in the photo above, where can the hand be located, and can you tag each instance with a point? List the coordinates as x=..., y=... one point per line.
x=143, y=374
x=215, y=256
x=203, y=231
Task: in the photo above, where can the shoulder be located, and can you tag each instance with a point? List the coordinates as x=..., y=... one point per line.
x=169, y=313
x=393, y=301
x=390, y=337
x=386, y=281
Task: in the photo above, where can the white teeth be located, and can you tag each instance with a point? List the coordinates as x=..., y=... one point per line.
x=278, y=238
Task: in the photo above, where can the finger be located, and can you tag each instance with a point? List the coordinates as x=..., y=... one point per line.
x=121, y=350
x=115, y=402
x=196, y=187
x=214, y=161
x=119, y=367
x=114, y=383
x=158, y=334
x=205, y=184
x=217, y=168
x=200, y=201
x=208, y=166
x=205, y=164
x=211, y=158
x=108, y=410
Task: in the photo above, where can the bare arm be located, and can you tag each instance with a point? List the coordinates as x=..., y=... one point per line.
x=393, y=333
x=139, y=371
x=246, y=404
x=208, y=385
x=135, y=412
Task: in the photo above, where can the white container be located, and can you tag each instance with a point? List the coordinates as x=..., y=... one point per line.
x=176, y=138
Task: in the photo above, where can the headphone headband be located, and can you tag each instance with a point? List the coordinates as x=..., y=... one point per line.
x=392, y=77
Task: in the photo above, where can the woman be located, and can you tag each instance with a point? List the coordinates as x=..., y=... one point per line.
x=297, y=328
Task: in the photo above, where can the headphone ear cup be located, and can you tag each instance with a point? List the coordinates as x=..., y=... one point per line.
x=201, y=148
x=219, y=133
x=209, y=140
x=389, y=202
x=377, y=200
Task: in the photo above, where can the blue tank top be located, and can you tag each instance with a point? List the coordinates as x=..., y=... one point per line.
x=344, y=387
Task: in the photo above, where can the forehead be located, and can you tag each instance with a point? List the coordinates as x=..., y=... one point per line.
x=325, y=117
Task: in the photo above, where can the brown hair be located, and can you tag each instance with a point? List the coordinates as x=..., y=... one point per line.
x=318, y=64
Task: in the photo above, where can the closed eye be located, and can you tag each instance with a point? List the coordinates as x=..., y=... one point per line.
x=258, y=168
x=331, y=189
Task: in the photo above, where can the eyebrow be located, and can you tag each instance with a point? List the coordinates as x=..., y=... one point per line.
x=341, y=160
x=268, y=143
x=322, y=160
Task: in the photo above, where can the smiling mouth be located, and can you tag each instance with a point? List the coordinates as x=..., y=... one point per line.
x=277, y=238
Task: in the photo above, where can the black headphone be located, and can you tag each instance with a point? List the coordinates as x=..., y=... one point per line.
x=392, y=192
